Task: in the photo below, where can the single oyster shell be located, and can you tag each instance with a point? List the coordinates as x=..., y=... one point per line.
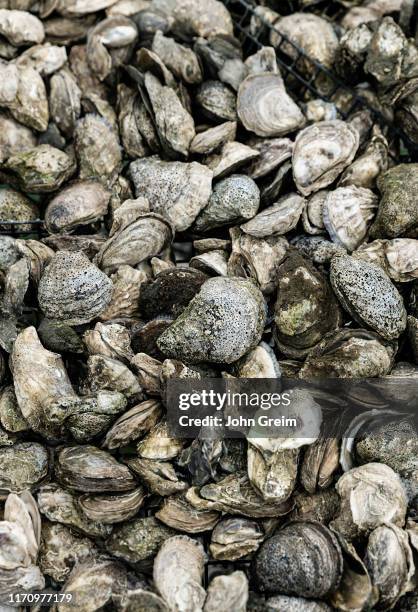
x=367, y=293
x=23, y=466
x=320, y=461
x=273, y=152
x=211, y=139
x=347, y=213
x=21, y=28
x=314, y=35
x=14, y=137
x=45, y=59
x=30, y=103
x=61, y=506
x=72, y=289
x=138, y=540
x=111, y=340
x=126, y=285
x=265, y=108
x=322, y=506
x=261, y=362
x=232, y=156
x=397, y=212
x=365, y=170
x=398, y=257
x=39, y=378
x=214, y=263
x=176, y=190
x=223, y=322
x=233, y=200
x=14, y=206
x=148, y=370
x=107, y=373
x=257, y=258
x=178, y=513
x=76, y=205
x=109, y=509
x=189, y=20
x=65, y=101
x=217, y=101
x=115, y=33
x=42, y=169
x=182, y=61
x=178, y=573
x=229, y=592
x=98, y=150
x=386, y=53
x=319, y=110
x=11, y=416
x=312, y=216
x=277, y=219
x=319, y=249
x=305, y=309
x=59, y=337
x=159, y=445
x=371, y=495
x=273, y=474
x=37, y=256
x=390, y=562
x=263, y=61
x=321, y=153
x=159, y=476
x=349, y=353
x=234, y=538
x=132, y=139
x=89, y=469
x=133, y=424
x=76, y=8
x=303, y=559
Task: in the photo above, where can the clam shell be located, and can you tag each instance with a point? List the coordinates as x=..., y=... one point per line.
x=347, y=214
x=321, y=152
x=265, y=108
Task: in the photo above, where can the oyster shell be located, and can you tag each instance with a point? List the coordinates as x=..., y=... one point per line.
x=111, y=340
x=229, y=592
x=159, y=476
x=108, y=373
x=272, y=474
x=126, y=285
x=234, y=538
x=21, y=28
x=23, y=466
x=397, y=257
x=232, y=156
x=133, y=424
x=265, y=108
x=217, y=101
x=138, y=540
x=15, y=206
x=233, y=200
x=365, y=170
x=37, y=256
x=148, y=370
x=321, y=152
x=178, y=513
x=14, y=137
x=182, y=61
x=347, y=213
x=178, y=573
x=98, y=149
x=110, y=509
x=320, y=461
x=45, y=59
x=176, y=190
x=261, y=362
x=29, y=102
x=214, y=263
x=303, y=559
x=273, y=152
x=72, y=289
x=11, y=416
x=91, y=470
x=231, y=312
x=115, y=33
x=367, y=293
x=159, y=445
x=211, y=139
x=188, y=20
x=65, y=101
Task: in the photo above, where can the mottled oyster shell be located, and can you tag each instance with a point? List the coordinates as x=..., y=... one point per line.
x=45, y=59
x=214, y=263
x=398, y=257
x=234, y=538
x=37, y=255
x=133, y=424
x=189, y=20
x=178, y=573
x=347, y=213
x=232, y=156
x=229, y=592
x=231, y=314
x=303, y=559
x=265, y=108
x=21, y=28
x=14, y=137
x=367, y=293
x=159, y=445
x=178, y=191
x=217, y=101
x=126, y=285
x=211, y=139
x=371, y=495
x=79, y=204
x=72, y=289
x=320, y=461
x=98, y=149
x=321, y=152
x=29, y=101
x=272, y=474
x=65, y=101
x=273, y=152
x=181, y=60
x=365, y=170
x=138, y=540
x=277, y=219
x=112, y=340
x=159, y=476
x=178, y=513
x=108, y=373
x=15, y=206
x=110, y=509
x=23, y=466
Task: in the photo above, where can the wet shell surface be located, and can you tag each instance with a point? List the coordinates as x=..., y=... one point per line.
x=322, y=151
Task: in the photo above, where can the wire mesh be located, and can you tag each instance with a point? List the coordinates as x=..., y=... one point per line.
x=292, y=60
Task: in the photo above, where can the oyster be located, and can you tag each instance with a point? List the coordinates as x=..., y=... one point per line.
x=126, y=284
x=217, y=101
x=11, y=417
x=23, y=466
x=303, y=559
x=65, y=100
x=367, y=293
x=133, y=424
x=229, y=592
x=320, y=461
x=14, y=137
x=178, y=573
x=108, y=373
x=277, y=219
x=232, y=156
x=233, y=200
x=109, y=509
x=211, y=139
x=45, y=59
x=397, y=257
x=14, y=206
x=158, y=444
x=114, y=34
x=98, y=150
x=138, y=540
x=159, y=476
x=365, y=170
x=72, y=289
x=149, y=371
x=265, y=108
x=261, y=362
x=178, y=191
x=76, y=205
x=321, y=152
x=178, y=513
x=182, y=61
x=111, y=340
x=234, y=538
x=188, y=20
x=21, y=28
x=231, y=312
x=214, y=263
x=347, y=213
x=37, y=256
x=272, y=474
x=273, y=152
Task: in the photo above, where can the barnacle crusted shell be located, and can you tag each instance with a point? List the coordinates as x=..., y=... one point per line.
x=72, y=289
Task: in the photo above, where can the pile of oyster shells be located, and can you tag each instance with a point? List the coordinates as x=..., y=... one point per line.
x=202, y=221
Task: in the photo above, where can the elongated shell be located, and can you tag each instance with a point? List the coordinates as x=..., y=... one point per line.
x=76, y=205
x=110, y=509
x=229, y=592
x=265, y=108
x=321, y=153
x=178, y=573
x=347, y=214
x=277, y=219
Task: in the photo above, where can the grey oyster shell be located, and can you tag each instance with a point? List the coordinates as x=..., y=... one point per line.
x=303, y=559
x=79, y=204
x=273, y=152
x=181, y=60
x=21, y=27
x=222, y=323
x=178, y=573
x=91, y=470
x=321, y=152
x=347, y=213
x=22, y=466
x=111, y=340
x=365, y=170
x=14, y=206
x=265, y=108
x=229, y=592
x=98, y=149
x=232, y=156
x=110, y=509
x=234, y=538
x=397, y=212
x=217, y=101
x=176, y=190
x=133, y=424
x=211, y=139
x=367, y=293
x=72, y=289
x=261, y=362
x=306, y=308
x=65, y=101
x=158, y=444
x=397, y=257
x=189, y=20
x=108, y=373
x=37, y=255
x=14, y=137
x=138, y=540
x=159, y=476
x=214, y=263
x=178, y=513
x=233, y=200
x=277, y=219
